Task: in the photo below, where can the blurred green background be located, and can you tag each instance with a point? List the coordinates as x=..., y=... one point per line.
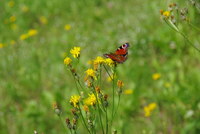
x=32, y=74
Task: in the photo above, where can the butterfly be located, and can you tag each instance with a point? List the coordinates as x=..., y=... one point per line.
x=120, y=55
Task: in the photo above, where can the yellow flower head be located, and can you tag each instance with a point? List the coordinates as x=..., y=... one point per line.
x=90, y=72
x=1, y=45
x=91, y=100
x=75, y=52
x=74, y=100
x=166, y=14
x=24, y=8
x=11, y=3
x=109, y=62
x=99, y=60
x=12, y=18
x=23, y=36
x=32, y=32
x=156, y=76
x=128, y=91
x=67, y=61
x=120, y=83
x=149, y=108
x=43, y=20
x=67, y=27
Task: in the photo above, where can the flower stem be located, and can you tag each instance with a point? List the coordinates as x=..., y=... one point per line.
x=98, y=109
x=84, y=120
x=113, y=92
x=63, y=124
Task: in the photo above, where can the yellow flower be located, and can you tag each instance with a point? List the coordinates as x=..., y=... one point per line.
x=43, y=20
x=109, y=62
x=97, y=61
x=12, y=18
x=74, y=100
x=91, y=100
x=91, y=73
x=156, y=76
x=1, y=45
x=149, y=108
x=166, y=14
x=11, y=3
x=67, y=27
x=152, y=106
x=12, y=42
x=24, y=8
x=128, y=91
x=75, y=52
x=120, y=84
x=67, y=61
x=32, y=32
x=23, y=36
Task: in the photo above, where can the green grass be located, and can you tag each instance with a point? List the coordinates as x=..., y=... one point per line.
x=32, y=74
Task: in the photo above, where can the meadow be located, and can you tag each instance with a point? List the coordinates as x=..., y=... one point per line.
x=162, y=70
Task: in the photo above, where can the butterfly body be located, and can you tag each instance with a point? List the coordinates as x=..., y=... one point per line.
x=120, y=55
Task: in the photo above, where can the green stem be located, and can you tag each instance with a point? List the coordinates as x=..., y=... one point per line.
x=117, y=105
x=95, y=93
x=113, y=92
x=106, y=121
x=171, y=25
x=194, y=26
x=83, y=119
x=64, y=125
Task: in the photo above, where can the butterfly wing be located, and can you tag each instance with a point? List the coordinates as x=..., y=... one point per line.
x=122, y=50
x=120, y=54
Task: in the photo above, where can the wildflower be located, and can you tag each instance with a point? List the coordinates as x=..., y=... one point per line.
x=12, y=18
x=149, y=108
x=12, y=42
x=128, y=91
x=109, y=62
x=91, y=100
x=75, y=52
x=91, y=73
x=11, y=3
x=166, y=14
x=54, y=105
x=32, y=32
x=67, y=27
x=75, y=100
x=120, y=84
x=43, y=20
x=24, y=8
x=23, y=36
x=86, y=108
x=68, y=123
x=67, y=61
x=99, y=60
x=1, y=45
x=156, y=76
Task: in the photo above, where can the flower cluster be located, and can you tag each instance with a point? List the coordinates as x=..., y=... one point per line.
x=149, y=108
x=30, y=33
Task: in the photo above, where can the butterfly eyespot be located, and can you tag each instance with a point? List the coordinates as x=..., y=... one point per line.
x=123, y=46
